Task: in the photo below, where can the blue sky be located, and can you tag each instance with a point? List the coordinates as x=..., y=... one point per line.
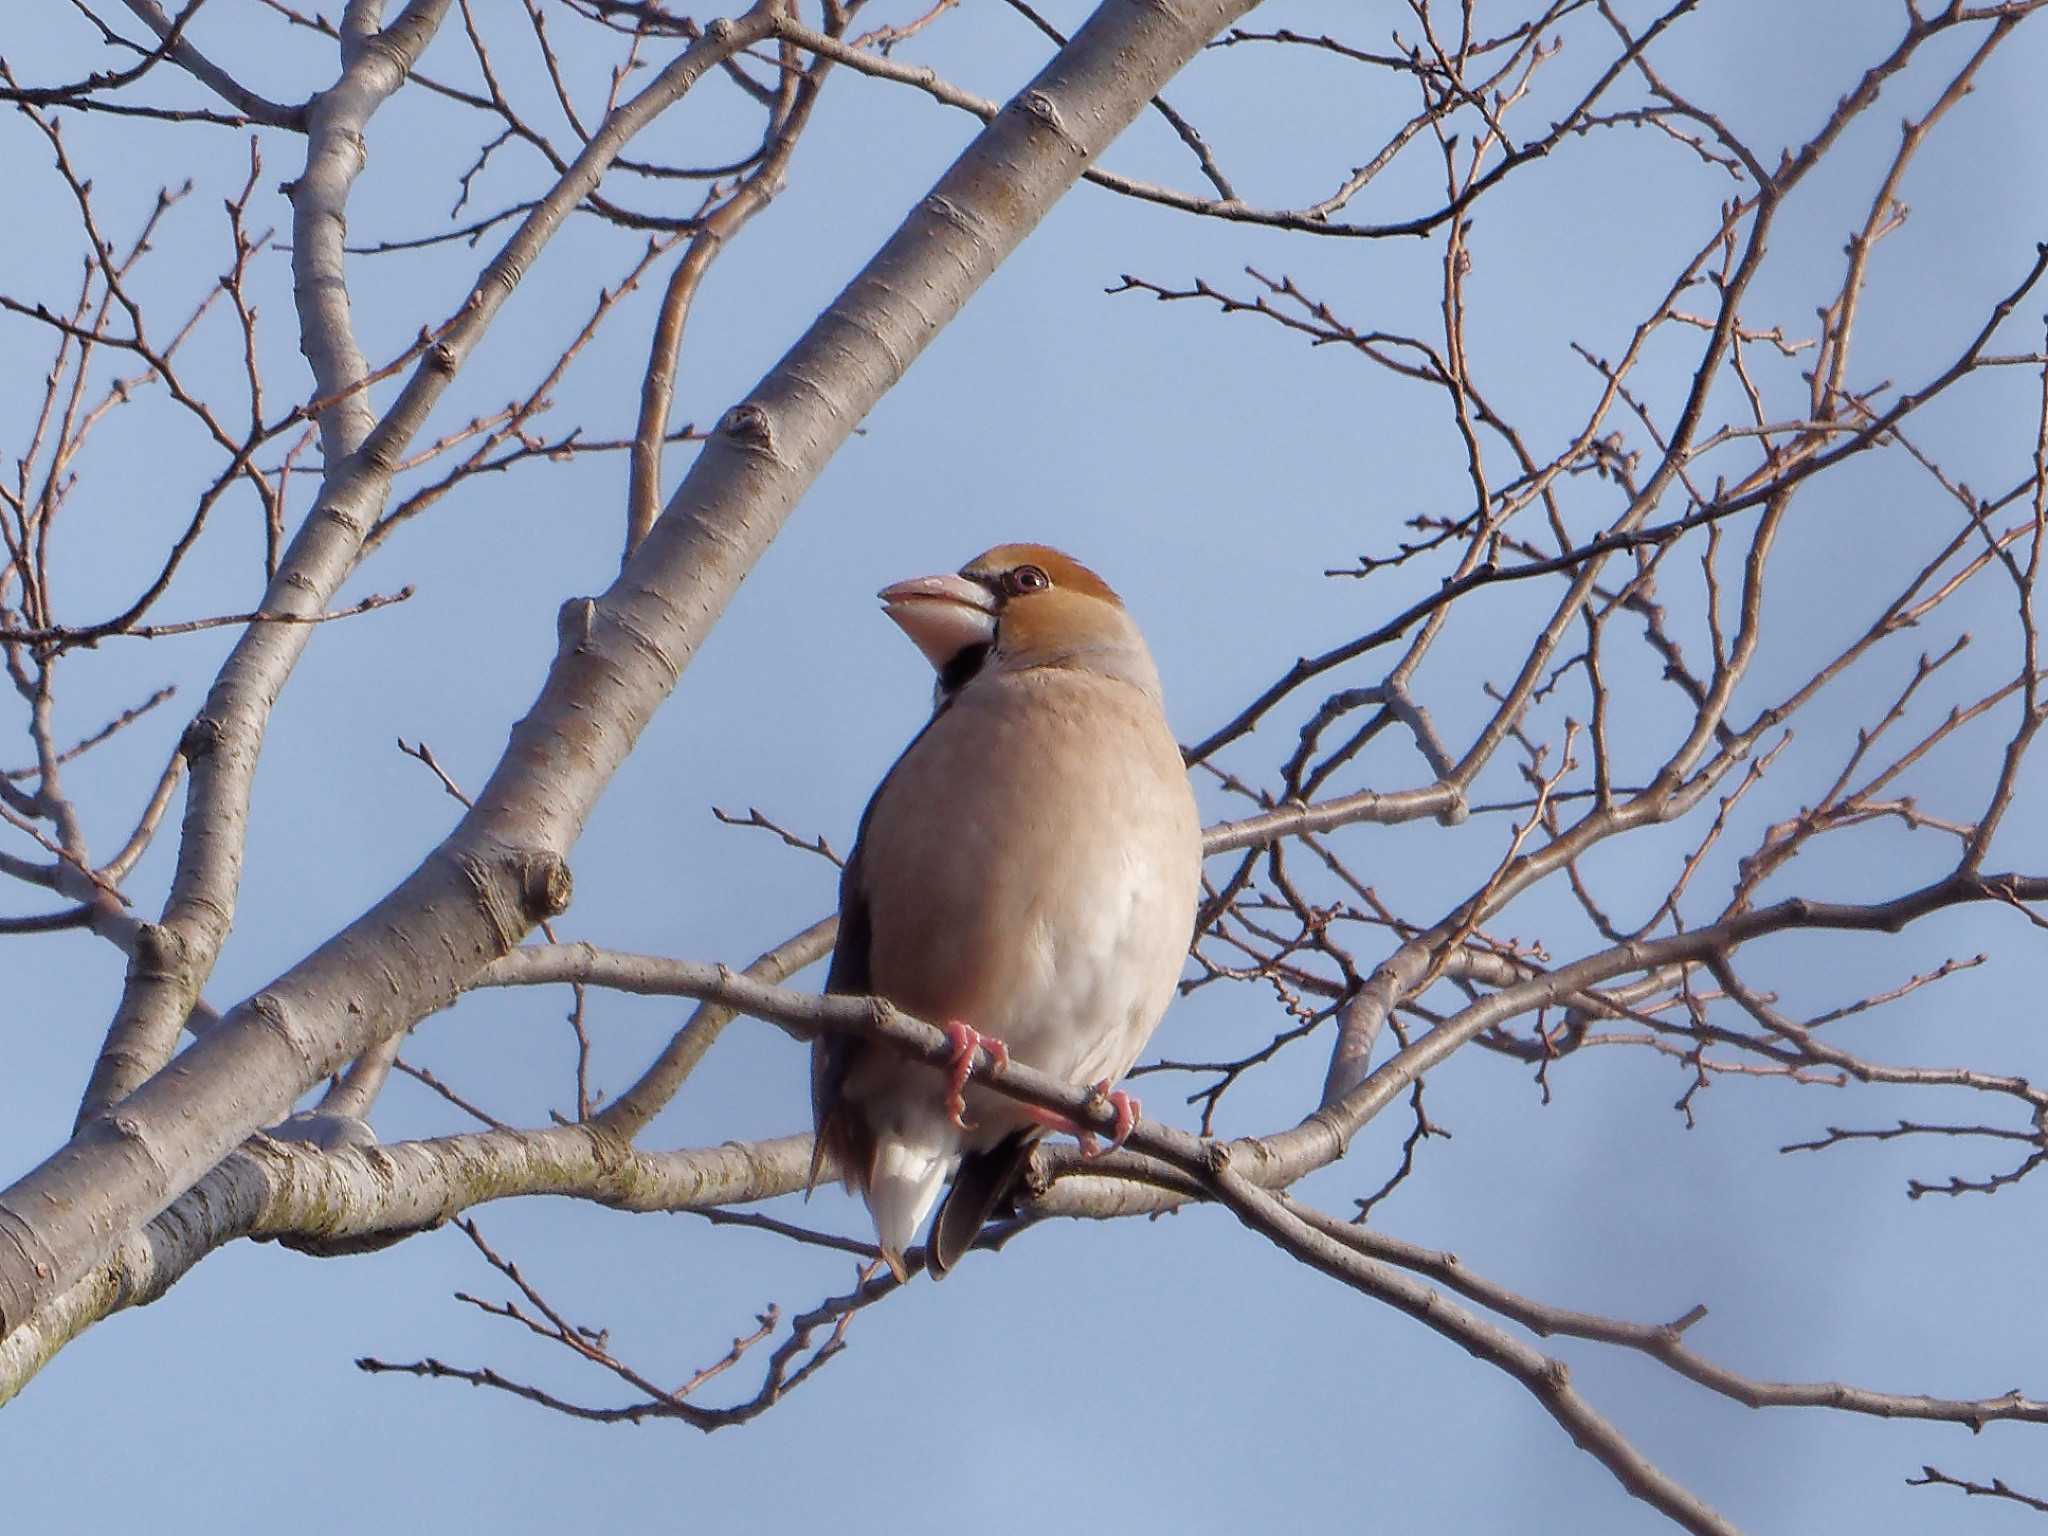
x=1178, y=1374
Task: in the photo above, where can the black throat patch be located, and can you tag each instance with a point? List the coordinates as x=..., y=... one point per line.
x=961, y=670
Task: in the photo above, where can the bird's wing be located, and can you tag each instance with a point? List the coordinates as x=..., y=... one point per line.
x=837, y=1131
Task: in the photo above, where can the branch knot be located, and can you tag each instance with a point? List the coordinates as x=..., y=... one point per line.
x=545, y=885
x=748, y=425
x=200, y=738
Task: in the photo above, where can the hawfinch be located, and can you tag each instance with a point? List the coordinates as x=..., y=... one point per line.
x=1026, y=876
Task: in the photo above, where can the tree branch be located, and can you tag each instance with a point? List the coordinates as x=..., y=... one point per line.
x=502, y=869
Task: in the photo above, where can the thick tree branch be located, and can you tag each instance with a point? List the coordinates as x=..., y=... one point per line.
x=332, y=1200
x=169, y=965
x=502, y=869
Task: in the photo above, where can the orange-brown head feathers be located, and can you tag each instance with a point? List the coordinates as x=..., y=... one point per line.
x=1007, y=562
x=1019, y=606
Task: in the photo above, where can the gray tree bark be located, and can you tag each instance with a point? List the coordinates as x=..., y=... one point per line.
x=503, y=868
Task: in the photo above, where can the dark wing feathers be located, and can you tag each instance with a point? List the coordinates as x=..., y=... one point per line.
x=984, y=1181
x=837, y=1130
x=831, y=1055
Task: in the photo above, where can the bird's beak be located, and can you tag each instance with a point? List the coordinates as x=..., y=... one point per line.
x=943, y=615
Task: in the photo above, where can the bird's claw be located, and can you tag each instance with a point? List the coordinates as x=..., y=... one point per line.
x=965, y=1041
x=1127, y=1111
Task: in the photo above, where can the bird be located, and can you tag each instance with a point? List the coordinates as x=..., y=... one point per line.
x=1026, y=875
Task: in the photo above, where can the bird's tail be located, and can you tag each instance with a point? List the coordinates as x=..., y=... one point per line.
x=984, y=1182
x=903, y=1183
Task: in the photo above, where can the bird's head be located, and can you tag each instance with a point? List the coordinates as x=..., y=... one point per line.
x=1015, y=607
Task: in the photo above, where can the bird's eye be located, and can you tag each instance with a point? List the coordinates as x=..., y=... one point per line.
x=1028, y=578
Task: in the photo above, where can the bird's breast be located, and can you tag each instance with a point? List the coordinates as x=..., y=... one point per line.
x=1036, y=865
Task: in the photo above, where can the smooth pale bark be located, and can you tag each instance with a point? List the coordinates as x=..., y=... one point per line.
x=330, y=1199
x=123, y=1165
x=620, y=656
x=276, y=1189
x=171, y=959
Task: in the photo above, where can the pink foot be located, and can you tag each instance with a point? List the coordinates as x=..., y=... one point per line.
x=1127, y=1111
x=965, y=1043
